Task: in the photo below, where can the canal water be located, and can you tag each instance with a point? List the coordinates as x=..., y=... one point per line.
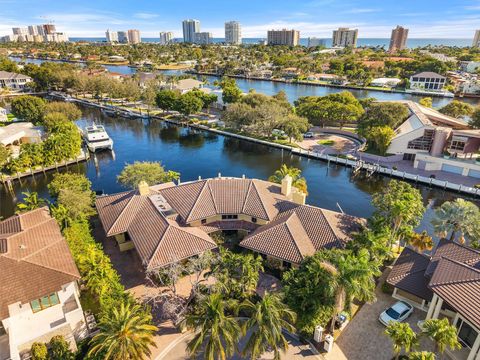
x=293, y=91
x=196, y=153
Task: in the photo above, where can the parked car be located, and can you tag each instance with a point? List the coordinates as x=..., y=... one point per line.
x=397, y=312
x=308, y=135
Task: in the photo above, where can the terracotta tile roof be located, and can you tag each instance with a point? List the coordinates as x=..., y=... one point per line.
x=160, y=241
x=453, y=251
x=459, y=286
x=301, y=231
x=35, y=259
x=229, y=225
x=201, y=199
x=408, y=274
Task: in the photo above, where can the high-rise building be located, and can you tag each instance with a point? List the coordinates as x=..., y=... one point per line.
x=283, y=37
x=49, y=29
x=32, y=30
x=19, y=31
x=202, y=38
x=40, y=30
x=112, y=36
x=345, y=37
x=134, y=36
x=476, y=39
x=122, y=37
x=190, y=27
x=233, y=33
x=166, y=37
x=398, y=41
x=314, y=41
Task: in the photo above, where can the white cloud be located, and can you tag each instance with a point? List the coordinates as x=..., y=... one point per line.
x=361, y=11
x=145, y=15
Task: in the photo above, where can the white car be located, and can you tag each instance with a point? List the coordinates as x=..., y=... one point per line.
x=397, y=312
x=308, y=135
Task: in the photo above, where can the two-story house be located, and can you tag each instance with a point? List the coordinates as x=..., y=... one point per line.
x=39, y=296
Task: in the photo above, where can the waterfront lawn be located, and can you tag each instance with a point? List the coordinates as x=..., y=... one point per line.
x=326, y=142
x=286, y=142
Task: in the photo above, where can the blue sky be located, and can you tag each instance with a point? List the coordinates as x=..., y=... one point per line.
x=374, y=18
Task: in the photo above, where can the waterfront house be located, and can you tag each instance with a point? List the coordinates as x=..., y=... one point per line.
x=433, y=141
x=38, y=283
x=18, y=133
x=185, y=85
x=427, y=82
x=14, y=81
x=386, y=82
x=168, y=223
x=469, y=66
x=445, y=284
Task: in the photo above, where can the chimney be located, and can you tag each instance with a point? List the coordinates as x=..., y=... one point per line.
x=143, y=188
x=287, y=185
x=298, y=197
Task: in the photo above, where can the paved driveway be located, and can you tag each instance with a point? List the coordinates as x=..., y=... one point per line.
x=364, y=337
x=296, y=351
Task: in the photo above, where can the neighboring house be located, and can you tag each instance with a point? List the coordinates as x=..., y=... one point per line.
x=330, y=78
x=434, y=141
x=3, y=115
x=386, y=82
x=20, y=133
x=168, y=223
x=446, y=284
x=427, y=82
x=38, y=283
x=470, y=66
x=185, y=85
x=14, y=81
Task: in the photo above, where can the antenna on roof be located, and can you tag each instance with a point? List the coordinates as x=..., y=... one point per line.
x=219, y=175
x=199, y=177
x=341, y=210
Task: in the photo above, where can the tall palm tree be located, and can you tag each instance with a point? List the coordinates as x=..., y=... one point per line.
x=402, y=336
x=296, y=174
x=457, y=217
x=442, y=333
x=352, y=276
x=421, y=242
x=31, y=201
x=217, y=333
x=126, y=333
x=267, y=319
x=421, y=355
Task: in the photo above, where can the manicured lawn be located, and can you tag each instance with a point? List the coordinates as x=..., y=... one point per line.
x=326, y=142
x=285, y=142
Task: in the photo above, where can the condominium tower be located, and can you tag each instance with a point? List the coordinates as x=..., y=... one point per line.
x=233, y=33
x=122, y=37
x=345, y=37
x=166, y=37
x=190, y=27
x=134, y=36
x=314, y=41
x=283, y=37
x=398, y=41
x=202, y=38
x=476, y=39
x=112, y=36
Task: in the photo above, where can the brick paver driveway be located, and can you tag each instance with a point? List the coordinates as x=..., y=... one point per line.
x=364, y=337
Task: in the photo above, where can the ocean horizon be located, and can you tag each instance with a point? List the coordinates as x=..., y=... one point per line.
x=370, y=42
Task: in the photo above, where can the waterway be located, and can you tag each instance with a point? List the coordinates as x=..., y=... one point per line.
x=196, y=153
x=293, y=91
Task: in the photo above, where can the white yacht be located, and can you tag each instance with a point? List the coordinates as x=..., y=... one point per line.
x=97, y=138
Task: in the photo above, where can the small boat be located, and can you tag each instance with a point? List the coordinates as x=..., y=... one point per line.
x=109, y=112
x=97, y=138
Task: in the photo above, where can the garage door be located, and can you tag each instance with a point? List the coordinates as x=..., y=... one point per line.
x=474, y=173
x=452, y=169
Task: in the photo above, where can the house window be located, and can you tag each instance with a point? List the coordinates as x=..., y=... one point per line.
x=423, y=142
x=466, y=334
x=204, y=221
x=229, y=217
x=44, y=302
x=254, y=220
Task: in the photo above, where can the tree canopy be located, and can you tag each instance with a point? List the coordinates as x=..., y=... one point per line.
x=150, y=172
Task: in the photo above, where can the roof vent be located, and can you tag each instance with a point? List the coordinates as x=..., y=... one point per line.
x=22, y=246
x=161, y=205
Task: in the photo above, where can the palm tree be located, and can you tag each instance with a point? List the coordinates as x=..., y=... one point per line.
x=217, y=333
x=402, y=336
x=421, y=242
x=296, y=174
x=31, y=201
x=421, y=355
x=351, y=277
x=442, y=333
x=267, y=319
x=457, y=216
x=125, y=333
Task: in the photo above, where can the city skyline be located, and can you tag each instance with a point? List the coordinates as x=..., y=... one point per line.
x=374, y=19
